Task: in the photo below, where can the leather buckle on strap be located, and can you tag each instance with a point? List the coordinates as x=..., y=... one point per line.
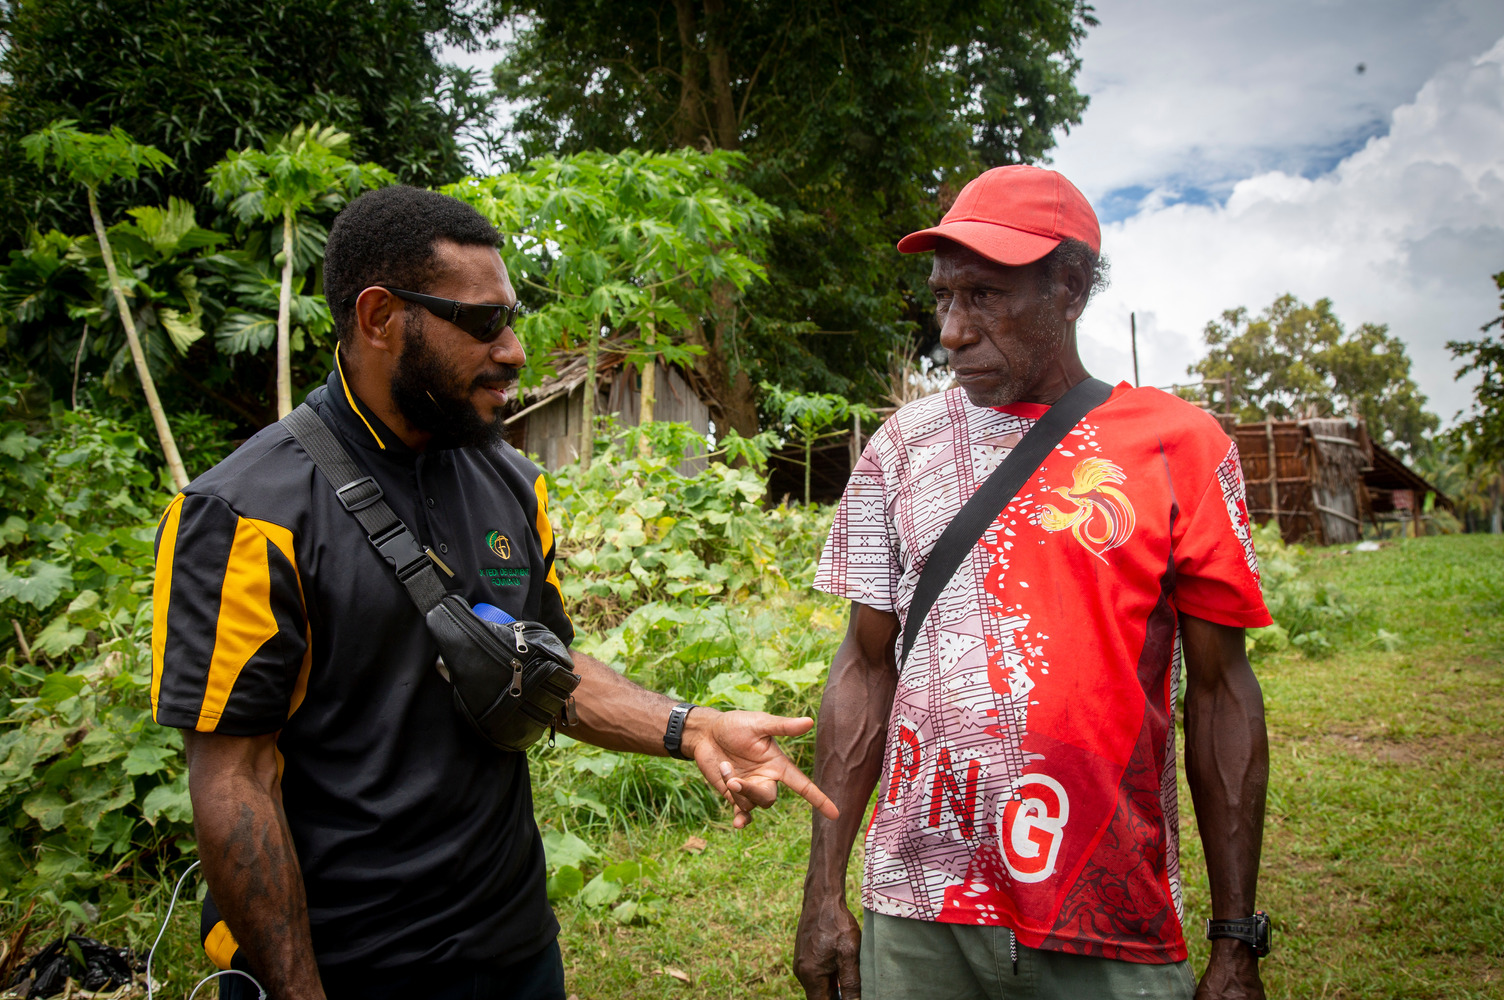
x=361, y=494
x=398, y=547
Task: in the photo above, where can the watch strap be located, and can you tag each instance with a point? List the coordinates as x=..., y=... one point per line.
x=1252, y=931
x=673, y=736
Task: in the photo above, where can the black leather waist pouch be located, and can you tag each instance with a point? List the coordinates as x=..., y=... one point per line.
x=511, y=682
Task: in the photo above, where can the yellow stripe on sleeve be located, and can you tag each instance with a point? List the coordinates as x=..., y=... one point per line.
x=220, y=945
x=161, y=591
x=544, y=525
x=282, y=539
x=245, y=620
x=546, y=538
x=553, y=578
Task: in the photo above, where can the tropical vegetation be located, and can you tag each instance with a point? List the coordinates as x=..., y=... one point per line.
x=683, y=188
x=1477, y=439
x=860, y=122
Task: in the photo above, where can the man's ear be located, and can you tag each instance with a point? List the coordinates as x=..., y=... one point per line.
x=378, y=321
x=1078, y=289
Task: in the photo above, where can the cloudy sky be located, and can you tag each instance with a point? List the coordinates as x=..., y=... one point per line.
x=1235, y=152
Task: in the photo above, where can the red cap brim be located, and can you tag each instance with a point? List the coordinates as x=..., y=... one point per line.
x=1012, y=247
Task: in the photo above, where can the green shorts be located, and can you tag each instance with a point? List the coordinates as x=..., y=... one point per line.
x=922, y=960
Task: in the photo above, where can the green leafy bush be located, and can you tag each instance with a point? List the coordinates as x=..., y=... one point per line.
x=1308, y=615
x=89, y=787
x=685, y=582
x=688, y=585
x=632, y=529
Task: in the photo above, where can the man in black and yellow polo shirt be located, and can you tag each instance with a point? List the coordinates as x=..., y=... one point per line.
x=359, y=840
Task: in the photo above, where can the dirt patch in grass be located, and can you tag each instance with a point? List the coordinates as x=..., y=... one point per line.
x=1480, y=748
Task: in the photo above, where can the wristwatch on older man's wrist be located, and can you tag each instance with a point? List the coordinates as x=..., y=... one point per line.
x=1252, y=931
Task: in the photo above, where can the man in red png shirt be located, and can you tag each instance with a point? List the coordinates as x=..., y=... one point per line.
x=1024, y=840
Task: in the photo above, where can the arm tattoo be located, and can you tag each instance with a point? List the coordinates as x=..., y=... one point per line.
x=252, y=868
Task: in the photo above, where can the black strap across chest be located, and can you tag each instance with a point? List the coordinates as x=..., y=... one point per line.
x=993, y=496
x=359, y=494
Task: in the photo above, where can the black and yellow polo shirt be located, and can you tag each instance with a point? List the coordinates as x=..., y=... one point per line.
x=274, y=614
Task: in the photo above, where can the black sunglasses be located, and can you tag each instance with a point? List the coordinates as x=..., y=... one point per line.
x=483, y=322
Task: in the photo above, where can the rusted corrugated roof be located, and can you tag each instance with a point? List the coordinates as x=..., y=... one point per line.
x=569, y=372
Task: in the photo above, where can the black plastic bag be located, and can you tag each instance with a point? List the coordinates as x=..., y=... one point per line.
x=93, y=965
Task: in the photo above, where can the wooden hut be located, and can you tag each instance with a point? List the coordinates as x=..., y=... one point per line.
x=1321, y=479
x=548, y=421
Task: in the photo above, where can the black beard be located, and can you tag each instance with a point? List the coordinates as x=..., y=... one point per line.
x=435, y=399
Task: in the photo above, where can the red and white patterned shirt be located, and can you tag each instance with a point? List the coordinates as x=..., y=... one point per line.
x=1029, y=778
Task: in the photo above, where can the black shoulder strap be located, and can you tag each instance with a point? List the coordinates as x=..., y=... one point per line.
x=993, y=496
x=359, y=494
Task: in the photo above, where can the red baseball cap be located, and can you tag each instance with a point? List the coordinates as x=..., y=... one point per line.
x=1013, y=215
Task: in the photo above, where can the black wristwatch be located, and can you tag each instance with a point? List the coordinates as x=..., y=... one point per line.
x=1252, y=931
x=673, y=737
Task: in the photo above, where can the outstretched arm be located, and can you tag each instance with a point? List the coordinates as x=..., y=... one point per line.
x=737, y=752
x=249, y=859
x=848, y=761
x=1227, y=767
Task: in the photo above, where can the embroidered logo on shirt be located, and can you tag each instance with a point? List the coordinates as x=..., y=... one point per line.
x=500, y=544
x=1101, y=517
x=505, y=576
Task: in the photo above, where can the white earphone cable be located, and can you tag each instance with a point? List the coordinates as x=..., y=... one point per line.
x=150, y=986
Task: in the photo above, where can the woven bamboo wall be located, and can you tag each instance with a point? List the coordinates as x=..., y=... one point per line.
x=1316, y=488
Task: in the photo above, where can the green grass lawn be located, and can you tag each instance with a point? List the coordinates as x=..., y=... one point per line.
x=1381, y=867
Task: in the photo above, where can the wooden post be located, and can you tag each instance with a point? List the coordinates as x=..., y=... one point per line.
x=1417, y=497
x=587, y=405
x=856, y=440
x=1273, y=475
x=1133, y=339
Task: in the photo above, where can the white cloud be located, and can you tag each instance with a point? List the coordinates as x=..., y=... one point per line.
x=1192, y=96
x=1405, y=231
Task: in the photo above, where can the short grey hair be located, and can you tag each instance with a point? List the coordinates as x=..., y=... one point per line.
x=1077, y=255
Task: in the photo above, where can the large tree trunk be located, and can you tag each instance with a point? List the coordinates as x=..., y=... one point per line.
x=702, y=121
x=740, y=403
x=726, y=127
x=689, y=118
x=735, y=398
x=739, y=398
x=148, y=387
x=284, y=323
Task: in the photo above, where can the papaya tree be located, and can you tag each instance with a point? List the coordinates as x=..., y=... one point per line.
x=304, y=169
x=807, y=414
x=622, y=252
x=93, y=160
